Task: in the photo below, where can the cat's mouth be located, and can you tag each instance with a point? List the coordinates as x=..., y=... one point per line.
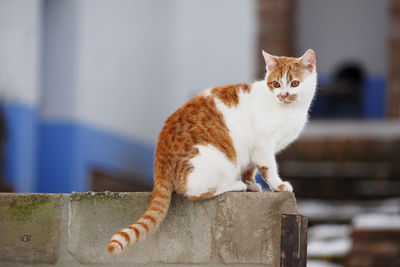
x=287, y=98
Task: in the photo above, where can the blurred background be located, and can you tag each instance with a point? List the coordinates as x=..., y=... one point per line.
x=85, y=86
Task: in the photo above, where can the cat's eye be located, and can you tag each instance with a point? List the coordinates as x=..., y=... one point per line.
x=276, y=84
x=294, y=83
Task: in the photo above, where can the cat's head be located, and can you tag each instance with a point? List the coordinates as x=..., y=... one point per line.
x=291, y=80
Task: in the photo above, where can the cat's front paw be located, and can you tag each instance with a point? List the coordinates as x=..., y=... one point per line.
x=253, y=187
x=286, y=187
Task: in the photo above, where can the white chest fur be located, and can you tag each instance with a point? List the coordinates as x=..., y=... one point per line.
x=259, y=120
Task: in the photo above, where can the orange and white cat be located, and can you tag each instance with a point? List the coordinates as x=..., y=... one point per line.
x=217, y=140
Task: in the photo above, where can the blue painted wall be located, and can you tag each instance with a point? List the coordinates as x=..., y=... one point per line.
x=47, y=156
x=21, y=146
x=374, y=97
x=372, y=103
x=68, y=150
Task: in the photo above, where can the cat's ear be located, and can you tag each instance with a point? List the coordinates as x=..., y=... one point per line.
x=269, y=61
x=308, y=60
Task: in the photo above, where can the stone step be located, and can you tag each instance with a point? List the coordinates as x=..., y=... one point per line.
x=324, y=211
x=351, y=188
x=340, y=170
x=240, y=229
x=343, y=149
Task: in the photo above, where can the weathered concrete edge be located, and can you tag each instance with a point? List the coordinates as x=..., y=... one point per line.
x=64, y=256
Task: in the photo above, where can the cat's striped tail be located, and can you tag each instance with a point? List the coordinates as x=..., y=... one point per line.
x=150, y=220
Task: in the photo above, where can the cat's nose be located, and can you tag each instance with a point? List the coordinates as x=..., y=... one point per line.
x=284, y=95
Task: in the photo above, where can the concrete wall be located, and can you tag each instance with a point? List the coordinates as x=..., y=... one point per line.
x=235, y=229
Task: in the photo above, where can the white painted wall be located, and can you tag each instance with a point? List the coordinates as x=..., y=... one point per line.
x=123, y=65
x=344, y=30
x=60, y=61
x=127, y=65
x=214, y=44
x=20, y=38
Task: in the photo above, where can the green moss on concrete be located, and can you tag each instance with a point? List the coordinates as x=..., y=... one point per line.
x=107, y=195
x=23, y=208
x=30, y=228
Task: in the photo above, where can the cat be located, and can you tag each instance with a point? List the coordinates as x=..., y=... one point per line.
x=216, y=141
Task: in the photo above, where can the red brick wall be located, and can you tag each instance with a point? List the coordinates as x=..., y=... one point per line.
x=393, y=95
x=275, y=29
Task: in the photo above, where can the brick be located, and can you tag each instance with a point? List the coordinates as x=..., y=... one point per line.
x=394, y=4
x=393, y=97
x=275, y=19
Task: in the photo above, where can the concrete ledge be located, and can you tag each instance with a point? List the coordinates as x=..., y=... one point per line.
x=365, y=129
x=72, y=230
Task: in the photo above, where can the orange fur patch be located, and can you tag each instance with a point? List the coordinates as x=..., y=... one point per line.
x=264, y=172
x=146, y=228
x=198, y=122
x=156, y=208
x=286, y=65
x=149, y=217
x=248, y=175
x=137, y=232
x=209, y=194
x=281, y=187
x=229, y=94
x=292, y=97
x=116, y=242
x=161, y=192
x=125, y=235
x=110, y=248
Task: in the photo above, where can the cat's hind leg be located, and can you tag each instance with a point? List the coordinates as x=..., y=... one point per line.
x=213, y=174
x=206, y=195
x=217, y=189
x=238, y=186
